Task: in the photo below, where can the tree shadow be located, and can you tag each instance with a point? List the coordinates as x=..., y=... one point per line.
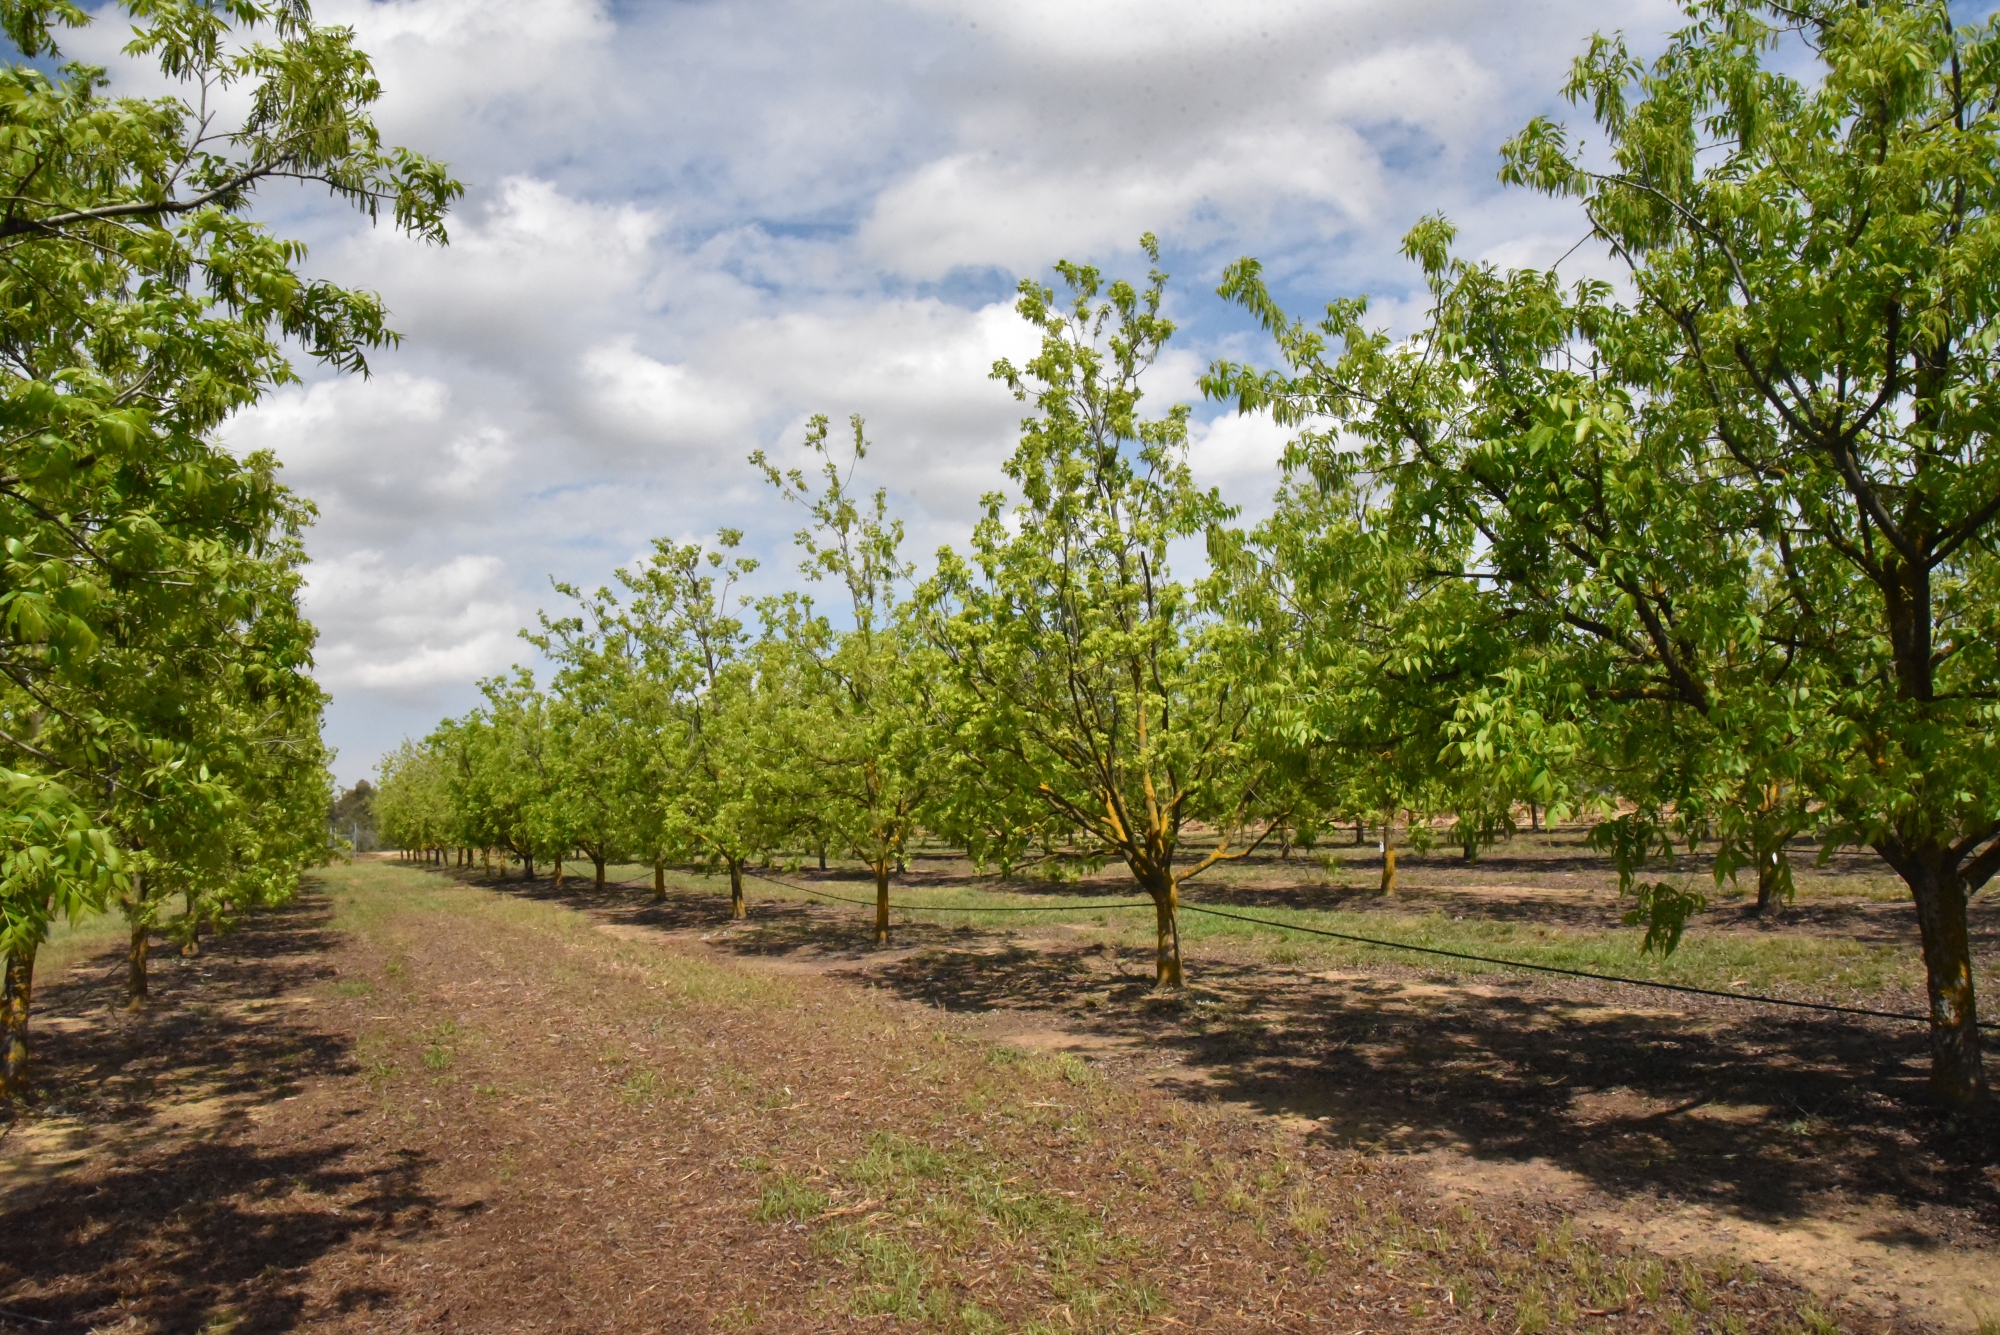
x=165, y=1214
x=1718, y=1102
x=213, y=1227
x=219, y=1022
x=1721, y=1104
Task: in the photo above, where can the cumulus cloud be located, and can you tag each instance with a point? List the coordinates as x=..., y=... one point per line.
x=399, y=630
x=688, y=227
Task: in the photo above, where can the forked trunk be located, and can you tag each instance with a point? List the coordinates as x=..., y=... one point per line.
x=597, y=864
x=1957, y=1077
x=659, y=879
x=527, y=866
x=736, y=906
x=881, y=901
x=136, y=952
x=17, y=990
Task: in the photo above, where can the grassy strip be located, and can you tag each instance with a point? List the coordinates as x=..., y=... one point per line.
x=1797, y=965
x=995, y=1190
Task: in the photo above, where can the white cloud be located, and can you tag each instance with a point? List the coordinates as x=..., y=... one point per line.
x=401, y=630
x=689, y=226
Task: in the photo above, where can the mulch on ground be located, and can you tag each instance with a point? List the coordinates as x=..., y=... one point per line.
x=469, y=1111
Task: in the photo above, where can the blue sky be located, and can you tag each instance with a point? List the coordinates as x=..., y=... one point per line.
x=689, y=226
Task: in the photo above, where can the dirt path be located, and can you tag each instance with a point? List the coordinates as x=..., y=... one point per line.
x=411, y=1105
x=1694, y=1127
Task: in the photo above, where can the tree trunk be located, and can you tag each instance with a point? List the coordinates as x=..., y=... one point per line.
x=822, y=855
x=597, y=862
x=1167, y=921
x=1956, y=1074
x=1360, y=834
x=559, y=873
x=485, y=862
x=1770, y=881
x=659, y=880
x=136, y=951
x=881, y=901
x=1285, y=844
x=192, y=946
x=17, y=990
x=736, y=906
x=1533, y=817
x=527, y=866
x=1388, y=867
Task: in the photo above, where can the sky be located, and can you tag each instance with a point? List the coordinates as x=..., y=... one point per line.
x=687, y=227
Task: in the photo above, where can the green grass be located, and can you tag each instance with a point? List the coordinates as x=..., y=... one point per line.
x=1787, y=963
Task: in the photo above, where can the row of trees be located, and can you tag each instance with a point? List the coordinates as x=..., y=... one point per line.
x=1710, y=551
x=159, y=731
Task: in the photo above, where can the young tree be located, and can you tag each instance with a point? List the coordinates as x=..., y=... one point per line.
x=1079, y=671
x=1751, y=510
x=693, y=647
x=860, y=725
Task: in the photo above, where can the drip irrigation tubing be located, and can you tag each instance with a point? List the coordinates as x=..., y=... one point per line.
x=1757, y=998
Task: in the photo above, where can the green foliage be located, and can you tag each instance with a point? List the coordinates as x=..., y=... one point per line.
x=154, y=696
x=1738, y=529
x=1082, y=676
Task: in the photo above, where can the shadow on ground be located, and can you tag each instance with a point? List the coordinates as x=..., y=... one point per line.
x=1719, y=1103
x=185, y=1223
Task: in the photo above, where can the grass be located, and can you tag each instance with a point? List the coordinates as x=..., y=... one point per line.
x=993, y=1189
x=1801, y=965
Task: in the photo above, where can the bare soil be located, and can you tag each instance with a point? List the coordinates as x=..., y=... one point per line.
x=512, y=1108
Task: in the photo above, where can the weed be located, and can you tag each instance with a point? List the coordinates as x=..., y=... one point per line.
x=437, y=1058
x=891, y=1160
x=791, y=1199
x=639, y=1087
x=1307, y=1217
x=357, y=989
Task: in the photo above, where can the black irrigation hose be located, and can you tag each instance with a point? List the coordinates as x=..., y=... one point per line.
x=1756, y=997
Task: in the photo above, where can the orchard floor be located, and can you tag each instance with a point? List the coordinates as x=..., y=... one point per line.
x=415, y=1101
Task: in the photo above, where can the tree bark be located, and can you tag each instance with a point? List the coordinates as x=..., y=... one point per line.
x=559, y=873
x=659, y=880
x=597, y=863
x=1388, y=867
x=881, y=901
x=17, y=990
x=1957, y=1076
x=1167, y=922
x=527, y=866
x=136, y=952
x=1769, y=882
x=822, y=855
x=192, y=946
x=737, y=910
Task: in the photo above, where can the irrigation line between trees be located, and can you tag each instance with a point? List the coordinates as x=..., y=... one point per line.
x=1754, y=997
